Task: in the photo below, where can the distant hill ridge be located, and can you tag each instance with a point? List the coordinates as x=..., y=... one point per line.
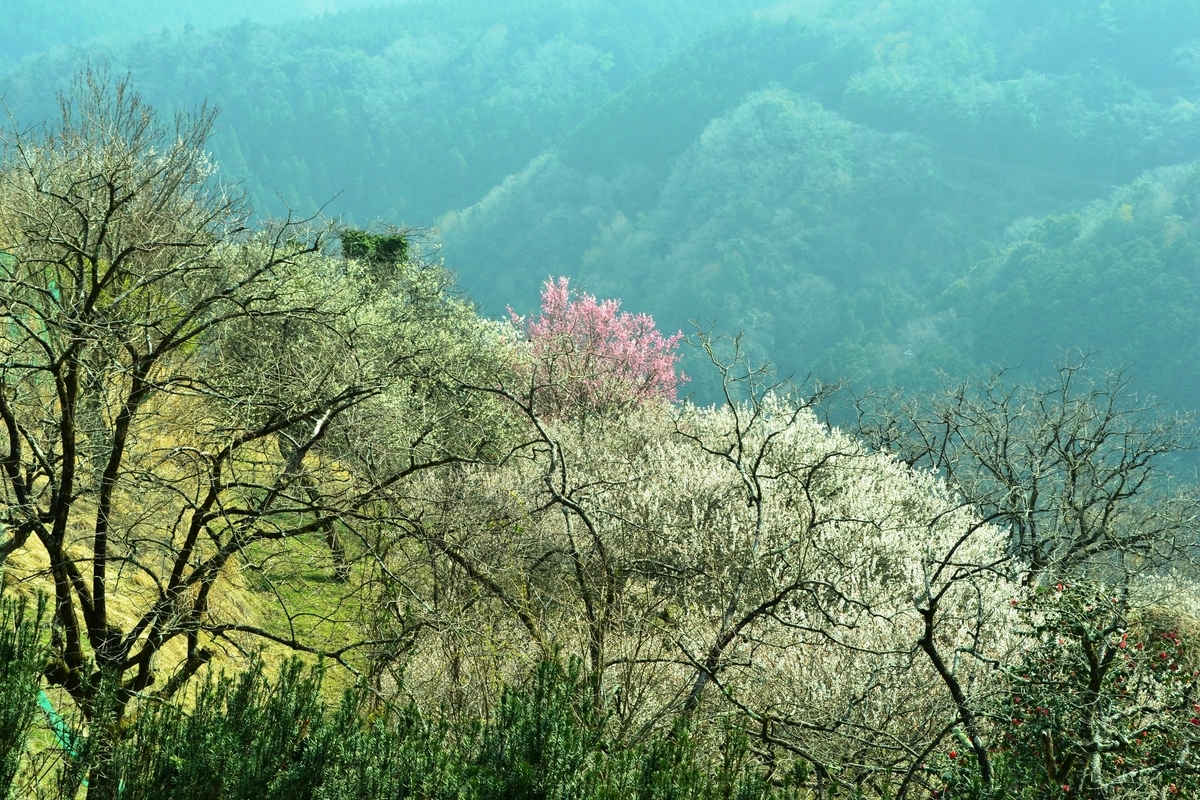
x=827, y=176
x=818, y=175
x=406, y=111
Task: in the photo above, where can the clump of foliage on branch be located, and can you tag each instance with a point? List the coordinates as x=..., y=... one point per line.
x=374, y=248
x=589, y=357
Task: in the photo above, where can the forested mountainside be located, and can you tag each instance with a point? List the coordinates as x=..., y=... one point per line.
x=827, y=176
x=31, y=28
x=404, y=112
x=1121, y=276
x=534, y=568
x=819, y=176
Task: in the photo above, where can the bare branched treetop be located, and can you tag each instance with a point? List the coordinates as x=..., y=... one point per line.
x=1078, y=468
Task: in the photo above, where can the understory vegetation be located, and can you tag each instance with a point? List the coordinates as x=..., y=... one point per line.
x=282, y=515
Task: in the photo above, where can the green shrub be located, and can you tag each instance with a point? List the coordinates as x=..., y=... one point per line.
x=22, y=658
x=251, y=737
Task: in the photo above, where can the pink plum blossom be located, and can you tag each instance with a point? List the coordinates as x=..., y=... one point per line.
x=588, y=356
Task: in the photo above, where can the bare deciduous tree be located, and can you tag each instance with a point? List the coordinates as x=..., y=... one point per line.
x=1077, y=469
x=1078, y=473
x=185, y=402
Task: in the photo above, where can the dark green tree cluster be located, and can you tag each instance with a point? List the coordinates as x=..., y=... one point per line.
x=22, y=657
x=374, y=248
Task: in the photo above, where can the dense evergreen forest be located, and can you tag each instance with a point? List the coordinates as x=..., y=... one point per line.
x=348, y=447
x=407, y=112
x=836, y=170
x=33, y=28
x=827, y=177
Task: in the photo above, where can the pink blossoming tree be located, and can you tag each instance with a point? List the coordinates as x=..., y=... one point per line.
x=588, y=357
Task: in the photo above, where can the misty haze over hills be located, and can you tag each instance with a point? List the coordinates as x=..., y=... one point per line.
x=31, y=28
x=872, y=191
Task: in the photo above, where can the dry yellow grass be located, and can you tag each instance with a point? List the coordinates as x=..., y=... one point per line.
x=247, y=595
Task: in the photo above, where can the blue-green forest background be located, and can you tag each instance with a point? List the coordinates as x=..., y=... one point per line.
x=883, y=192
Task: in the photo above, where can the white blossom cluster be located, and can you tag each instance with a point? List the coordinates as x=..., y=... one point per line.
x=738, y=559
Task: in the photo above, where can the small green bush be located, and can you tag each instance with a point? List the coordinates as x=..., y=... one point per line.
x=22, y=659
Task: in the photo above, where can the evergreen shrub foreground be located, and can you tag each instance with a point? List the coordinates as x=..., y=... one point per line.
x=250, y=736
